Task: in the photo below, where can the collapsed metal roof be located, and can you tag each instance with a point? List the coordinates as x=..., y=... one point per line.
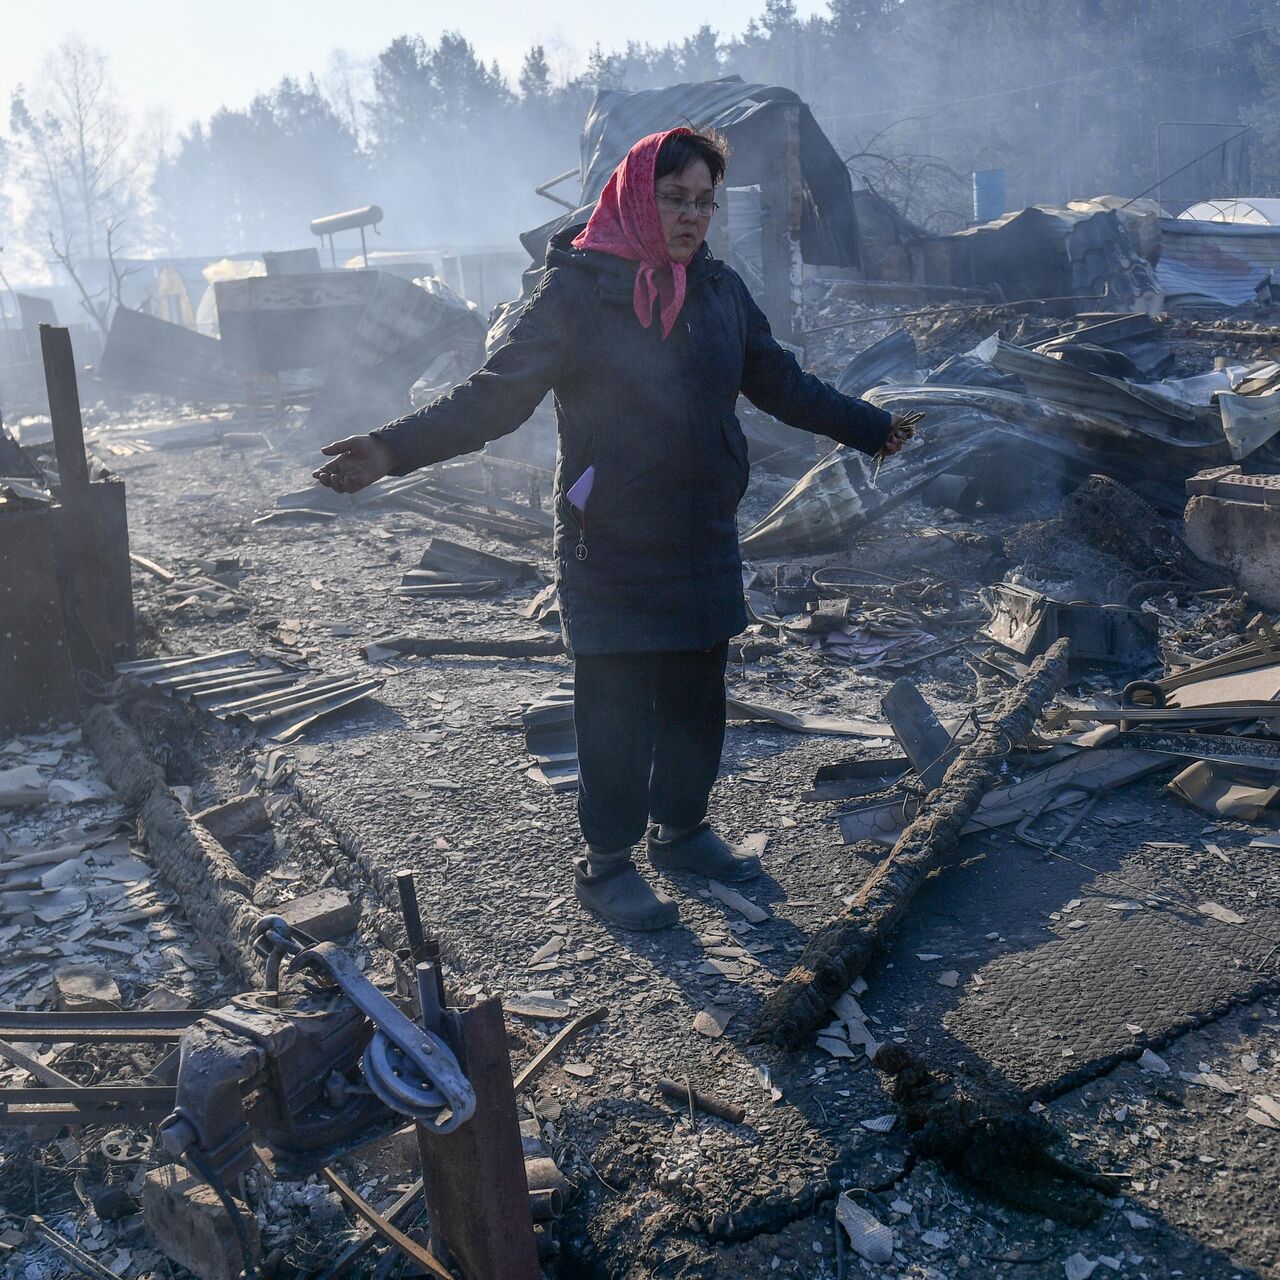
x=829, y=233
x=1049, y=252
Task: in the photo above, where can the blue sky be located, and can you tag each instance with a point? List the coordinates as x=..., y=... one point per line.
x=190, y=58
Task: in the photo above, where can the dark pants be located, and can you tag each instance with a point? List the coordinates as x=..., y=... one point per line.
x=650, y=731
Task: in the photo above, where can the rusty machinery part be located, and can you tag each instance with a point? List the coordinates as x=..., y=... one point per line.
x=301, y=1083
x=299, y=1080
x=125, y=1146
x=274, y=938
x=285, y=1078
x=408, y=1067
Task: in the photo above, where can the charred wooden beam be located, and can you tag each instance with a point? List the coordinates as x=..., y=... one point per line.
x=842, y=949
x=217, y=898
x=438, y=647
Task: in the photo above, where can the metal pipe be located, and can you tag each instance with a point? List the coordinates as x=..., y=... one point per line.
x=544, y=189
x=367, y=216
x=543, y=1174
x=546, y=1204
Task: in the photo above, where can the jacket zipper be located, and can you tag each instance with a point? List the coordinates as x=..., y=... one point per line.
x=580, y=551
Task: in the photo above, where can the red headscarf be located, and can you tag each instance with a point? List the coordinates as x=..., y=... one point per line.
x=625, y=223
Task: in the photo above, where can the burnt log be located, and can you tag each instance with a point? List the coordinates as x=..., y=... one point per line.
x=842, y=949
x=439, y=647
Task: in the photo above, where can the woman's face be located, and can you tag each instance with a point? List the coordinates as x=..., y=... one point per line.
x=683, y=228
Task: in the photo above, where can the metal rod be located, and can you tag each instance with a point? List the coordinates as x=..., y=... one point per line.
x=545, y=188
x=126, y=1094
x=87, y=1028
x=343, y=1262
x=431, y=954
x=429, y=997
x=412, y=916
x=383, y=1226
x=46, y=1075
x=686, y=1093
x=534, y=1069
x=83, y=1262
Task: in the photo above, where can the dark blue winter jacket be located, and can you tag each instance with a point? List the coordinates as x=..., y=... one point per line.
x=652, y=563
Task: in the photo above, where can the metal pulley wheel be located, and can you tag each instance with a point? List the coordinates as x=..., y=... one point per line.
x=407, y=1067
x=397, y=1084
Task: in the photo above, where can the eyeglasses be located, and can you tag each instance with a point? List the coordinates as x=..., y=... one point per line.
x=674, y=204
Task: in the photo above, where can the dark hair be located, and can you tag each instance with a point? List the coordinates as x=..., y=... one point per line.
x=681, y=150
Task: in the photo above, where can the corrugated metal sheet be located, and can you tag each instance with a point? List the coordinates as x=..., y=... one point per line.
x=1215, y=262
x=145, y=353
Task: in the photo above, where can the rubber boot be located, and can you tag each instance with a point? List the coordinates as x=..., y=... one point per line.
x=702, y=853
x=612, y=887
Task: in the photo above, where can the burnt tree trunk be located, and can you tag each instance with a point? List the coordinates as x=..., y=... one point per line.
x=842, y=949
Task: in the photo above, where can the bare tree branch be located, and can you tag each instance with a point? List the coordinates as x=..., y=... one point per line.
x=89, y=301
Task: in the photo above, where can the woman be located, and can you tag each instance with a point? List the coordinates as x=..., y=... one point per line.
x=646, y=341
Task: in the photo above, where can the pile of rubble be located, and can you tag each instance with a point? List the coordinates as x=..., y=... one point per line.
x=972, y=672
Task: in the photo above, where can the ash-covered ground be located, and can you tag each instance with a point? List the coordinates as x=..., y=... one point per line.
x=431, y=776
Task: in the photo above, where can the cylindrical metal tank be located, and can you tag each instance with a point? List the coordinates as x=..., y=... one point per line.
x=988, y=194
x=369, y=216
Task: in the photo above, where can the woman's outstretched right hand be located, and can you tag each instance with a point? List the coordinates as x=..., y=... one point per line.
x=357, y=462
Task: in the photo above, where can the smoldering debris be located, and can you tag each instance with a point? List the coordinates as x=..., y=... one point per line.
x=1030, y=665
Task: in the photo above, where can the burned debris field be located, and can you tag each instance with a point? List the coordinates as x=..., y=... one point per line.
x=306, y=967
